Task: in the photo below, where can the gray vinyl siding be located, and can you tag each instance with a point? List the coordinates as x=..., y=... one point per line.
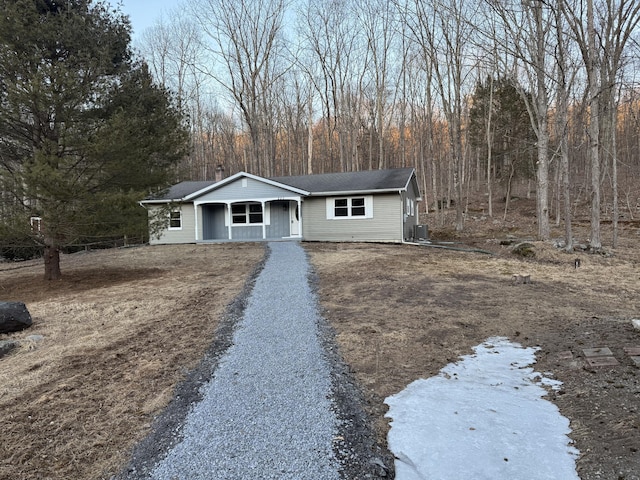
x=410, y=221
x=385, y=226
x=279, y=226
x=253, y=191
x=185, y=235
x=246, y=232
x=213, y=218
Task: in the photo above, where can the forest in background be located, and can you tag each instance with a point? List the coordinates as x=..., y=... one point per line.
x=493, y=97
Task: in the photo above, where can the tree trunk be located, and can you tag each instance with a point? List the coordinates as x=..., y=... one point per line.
x=542, y=191
x=310, y=137
x=594, y=129
x=489, y=140
x=458, y=175
x=562, y=129
x=52, y=263
x=508, y=195
x=614, y=173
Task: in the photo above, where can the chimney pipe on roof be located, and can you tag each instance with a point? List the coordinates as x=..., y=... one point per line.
x=219, y=173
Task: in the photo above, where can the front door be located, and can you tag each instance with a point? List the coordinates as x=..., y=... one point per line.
x=279, y=220
x=294, y=216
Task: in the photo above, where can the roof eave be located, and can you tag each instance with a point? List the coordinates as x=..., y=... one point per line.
x=162, y=200
x=238, y=175
x=356, y=192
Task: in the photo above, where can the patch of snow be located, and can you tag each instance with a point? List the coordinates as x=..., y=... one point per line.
x=481, y=418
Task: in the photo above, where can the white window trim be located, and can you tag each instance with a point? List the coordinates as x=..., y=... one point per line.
x=181, y=220
x=368, y=208
x=265, y=211
x=266, y=216
x=36, y=224
x=410, y=210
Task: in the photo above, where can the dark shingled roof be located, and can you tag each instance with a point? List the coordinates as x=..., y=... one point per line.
x=363, y=181
x=181, y=190
x=327, y=183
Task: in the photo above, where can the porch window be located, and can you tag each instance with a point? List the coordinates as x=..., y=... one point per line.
x=410, y=207
x=350, y=207
x=175, y=220
x=246, y=213
x=36, y=225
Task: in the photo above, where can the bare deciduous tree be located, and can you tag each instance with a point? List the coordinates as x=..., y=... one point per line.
x=442, y=30
x=245, y=39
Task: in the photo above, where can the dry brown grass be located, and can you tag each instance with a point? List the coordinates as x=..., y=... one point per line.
x=404, y=312
x=123, y=327
x=120, y=330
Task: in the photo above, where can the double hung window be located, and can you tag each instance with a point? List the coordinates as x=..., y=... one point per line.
x=175, y=220
x=350, y=207
x=246, y=213
x=36, y=225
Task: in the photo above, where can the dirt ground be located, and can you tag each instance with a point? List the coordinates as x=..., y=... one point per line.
x=425, y=307
x=124, y=326
x=120, y=330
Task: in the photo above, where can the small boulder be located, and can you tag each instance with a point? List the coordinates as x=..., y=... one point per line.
x=6, y=346
x=524, y=249
x=34, y=338
x=14, y=317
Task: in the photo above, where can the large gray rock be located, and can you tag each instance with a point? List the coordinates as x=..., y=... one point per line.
x=14, y=317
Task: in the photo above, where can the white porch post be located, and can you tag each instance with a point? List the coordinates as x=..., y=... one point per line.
x=195, y=213
x=299, y=217
x=264, y=218
x=228, y=220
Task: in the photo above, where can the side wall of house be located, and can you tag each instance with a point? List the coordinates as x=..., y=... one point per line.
x=385, y=226
x=411, y=214
x=186, y=234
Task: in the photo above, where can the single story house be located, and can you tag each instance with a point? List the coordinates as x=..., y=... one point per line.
x=374, y=206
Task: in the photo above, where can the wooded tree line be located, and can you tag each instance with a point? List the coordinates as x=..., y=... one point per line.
x=479, y=96
x=85, y=130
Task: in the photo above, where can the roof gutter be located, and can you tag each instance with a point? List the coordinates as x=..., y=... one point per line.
x=164, y=200
x=353, y=192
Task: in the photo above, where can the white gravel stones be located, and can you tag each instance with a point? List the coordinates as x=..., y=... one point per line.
x=266, y=413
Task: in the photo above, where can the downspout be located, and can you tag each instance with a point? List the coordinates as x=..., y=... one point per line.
x=148, y=222
x=195, y=221
x=402, y=222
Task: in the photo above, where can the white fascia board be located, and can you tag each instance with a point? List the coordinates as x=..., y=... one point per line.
x=413, y=172
x=231, y=201
x=413, y=176
x=349, y=193
x=160, y=202
x=238, y=175
x=213, y=186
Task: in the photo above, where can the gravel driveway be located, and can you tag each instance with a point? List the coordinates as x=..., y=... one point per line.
x=276, y=403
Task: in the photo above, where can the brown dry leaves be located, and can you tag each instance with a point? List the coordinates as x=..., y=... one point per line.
x=123, y=326
x=404, y=312
x=120, y=330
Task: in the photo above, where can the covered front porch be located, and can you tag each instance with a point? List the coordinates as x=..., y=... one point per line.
x=255, y=220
